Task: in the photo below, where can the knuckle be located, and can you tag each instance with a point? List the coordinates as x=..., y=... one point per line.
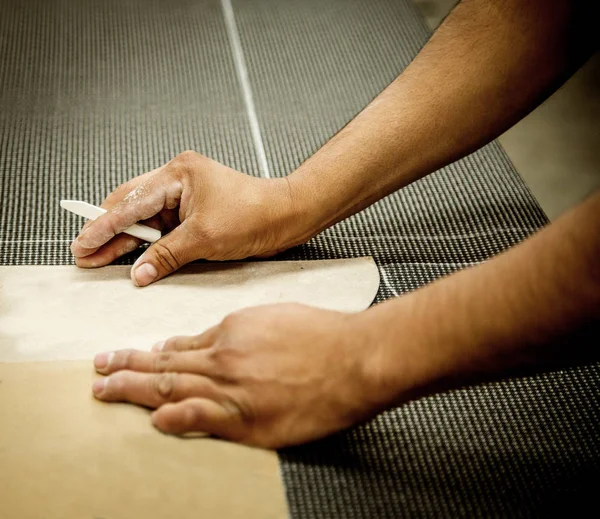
x=164, y=386
x=232, y=319
x=113, y=223
x=235, y=319
x=185, y=160
x=166, y=257
x=242, y=420
x=228, y=322
x=170, y=344
x=217, y=357
x=241, y=409
x=163, y=362
x=127, y=359
x=198, y=342
x=180, y=343
x=226, y=363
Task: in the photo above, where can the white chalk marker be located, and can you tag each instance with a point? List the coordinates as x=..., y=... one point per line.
x=91, y=212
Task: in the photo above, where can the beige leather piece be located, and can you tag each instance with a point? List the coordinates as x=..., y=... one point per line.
x=66, y=313
x=64, y=455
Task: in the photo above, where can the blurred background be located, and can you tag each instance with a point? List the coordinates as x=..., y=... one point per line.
x=556, y=149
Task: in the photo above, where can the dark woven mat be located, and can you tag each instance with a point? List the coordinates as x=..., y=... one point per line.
x=93, y=93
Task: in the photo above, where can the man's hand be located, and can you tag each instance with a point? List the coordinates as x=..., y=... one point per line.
x=268, y=376
x=286, y=374
x=209, y=211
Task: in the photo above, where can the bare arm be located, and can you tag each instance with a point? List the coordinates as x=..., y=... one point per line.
x=532, y=305
x=287, y=374
x=489, y=64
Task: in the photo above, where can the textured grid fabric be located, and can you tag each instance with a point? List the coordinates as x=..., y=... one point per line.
x=95, y=92
x=519, y=448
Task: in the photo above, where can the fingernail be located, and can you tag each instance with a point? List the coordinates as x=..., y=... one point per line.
x=76, y=249
x=145, y=274
x=99, y=385
x=158, y=346
x=82, y=241
x=138, y=262
x=102, y=360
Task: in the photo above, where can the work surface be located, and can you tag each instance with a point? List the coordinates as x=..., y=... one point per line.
x=63, y=455
x=93, y=93
x=79, y=313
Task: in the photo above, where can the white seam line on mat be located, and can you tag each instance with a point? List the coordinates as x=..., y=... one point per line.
x=242, y=71
x=401, y=263
x=431, y=237
x=387, y=282
x=36, y=241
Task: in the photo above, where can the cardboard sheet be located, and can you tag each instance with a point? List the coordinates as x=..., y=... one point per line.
x=67, y=313
x=64, y=455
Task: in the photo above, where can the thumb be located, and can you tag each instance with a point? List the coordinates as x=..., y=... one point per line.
x=163, y=257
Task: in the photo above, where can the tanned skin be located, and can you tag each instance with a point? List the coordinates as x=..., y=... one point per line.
x=286, y=374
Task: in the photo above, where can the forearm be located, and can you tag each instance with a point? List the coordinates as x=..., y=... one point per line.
x=488, y=64
x=513, y=311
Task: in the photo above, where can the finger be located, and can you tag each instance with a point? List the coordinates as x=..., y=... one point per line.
x=153, y=390
x=110, y=201
x=76, y=249
x=151, y=362
x=163, y=257
x=119, y=193
x=85, y=226
x=116, y=247
x=119, y=246
x=188, y=342
x=145, y=201
x=127, y=187
x=204, y=415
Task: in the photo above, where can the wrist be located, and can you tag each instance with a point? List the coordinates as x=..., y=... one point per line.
x=410, y=356
x=345, y=176
x=386, y=378
x=296, y=216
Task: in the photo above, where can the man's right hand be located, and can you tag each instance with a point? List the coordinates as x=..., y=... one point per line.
x=208, y=210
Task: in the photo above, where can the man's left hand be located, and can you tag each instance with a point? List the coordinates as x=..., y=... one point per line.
x=268, y=376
